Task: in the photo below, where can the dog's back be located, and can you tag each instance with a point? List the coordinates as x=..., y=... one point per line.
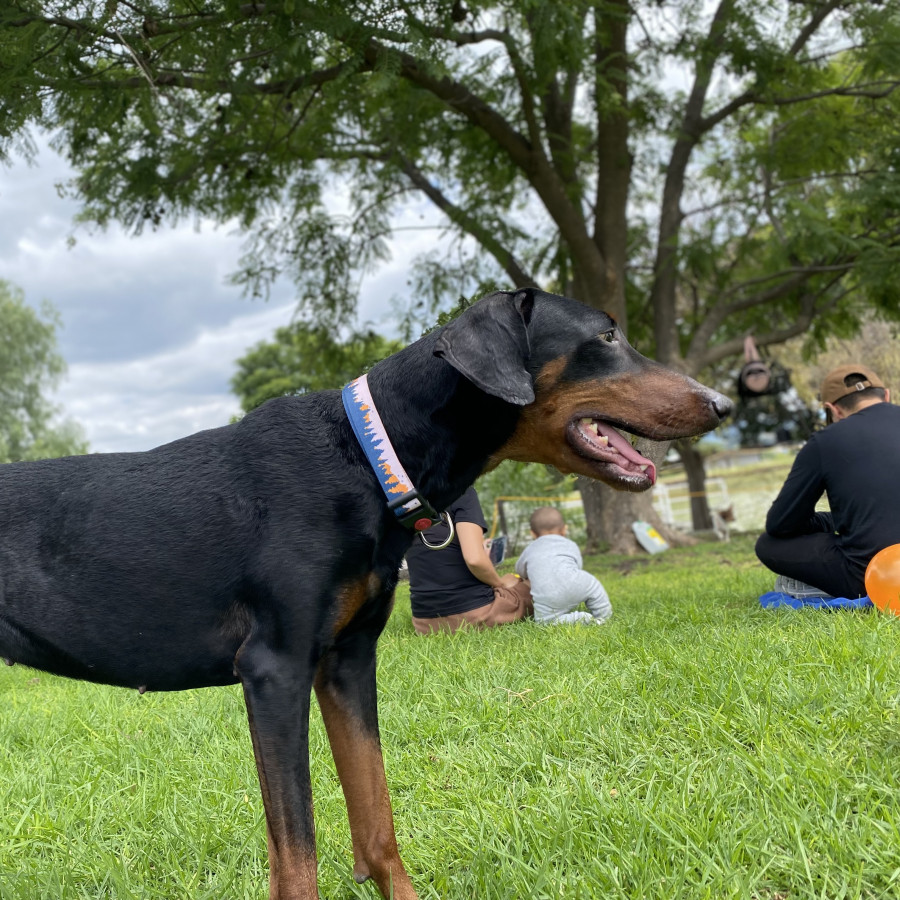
x=138, y=569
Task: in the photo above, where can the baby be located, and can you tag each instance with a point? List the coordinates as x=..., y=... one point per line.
x=552, y=563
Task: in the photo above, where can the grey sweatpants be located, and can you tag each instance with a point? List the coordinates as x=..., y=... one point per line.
x=572, y=589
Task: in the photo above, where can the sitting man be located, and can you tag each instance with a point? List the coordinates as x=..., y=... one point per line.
x=459, y=584
x=855, y=462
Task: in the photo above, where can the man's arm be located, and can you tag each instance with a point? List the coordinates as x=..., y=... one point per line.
x=471, y=542
x=794, y=509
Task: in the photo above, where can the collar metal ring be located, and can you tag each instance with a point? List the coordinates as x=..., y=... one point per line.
x=445, y=518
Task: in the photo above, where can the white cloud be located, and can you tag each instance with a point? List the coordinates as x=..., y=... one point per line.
x=150, y=326
x=140, y=403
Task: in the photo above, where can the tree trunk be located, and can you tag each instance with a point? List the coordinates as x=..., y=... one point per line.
x=609, y=514
x=501, y=515
x=695, y=471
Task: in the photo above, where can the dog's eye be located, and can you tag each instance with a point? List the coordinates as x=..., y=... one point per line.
x=608, y=336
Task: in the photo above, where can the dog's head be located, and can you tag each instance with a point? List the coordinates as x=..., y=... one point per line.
x=578, y=382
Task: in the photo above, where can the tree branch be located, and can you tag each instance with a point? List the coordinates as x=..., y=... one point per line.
x=788, y=282
x=525, y=156
x=689, y=133
x=810, y=308
x=820, y=13
x=202, y=85
x=468, y=224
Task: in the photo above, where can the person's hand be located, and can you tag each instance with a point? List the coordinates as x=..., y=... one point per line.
x=509, y=581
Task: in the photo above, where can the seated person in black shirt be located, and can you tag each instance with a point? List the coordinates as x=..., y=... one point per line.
x=855, y=462
x=459, y=584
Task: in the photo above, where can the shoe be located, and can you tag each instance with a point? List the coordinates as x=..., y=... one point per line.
x=799, y=589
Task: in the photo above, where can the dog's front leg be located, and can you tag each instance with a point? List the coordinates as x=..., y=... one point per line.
x=277, y=691
x=345, y=689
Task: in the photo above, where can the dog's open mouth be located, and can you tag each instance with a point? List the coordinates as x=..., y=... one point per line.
x=599, y=441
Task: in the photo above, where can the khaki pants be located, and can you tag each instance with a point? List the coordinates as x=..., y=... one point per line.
x=509, y=605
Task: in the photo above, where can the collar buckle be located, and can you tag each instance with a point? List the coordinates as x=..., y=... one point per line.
x=422, y=515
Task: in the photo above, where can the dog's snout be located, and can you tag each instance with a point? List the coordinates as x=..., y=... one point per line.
x=720, y=404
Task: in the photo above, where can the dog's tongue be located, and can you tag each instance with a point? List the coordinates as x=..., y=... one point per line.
x=623, y=446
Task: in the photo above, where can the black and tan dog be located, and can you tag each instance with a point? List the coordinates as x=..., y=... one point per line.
x=265, y=552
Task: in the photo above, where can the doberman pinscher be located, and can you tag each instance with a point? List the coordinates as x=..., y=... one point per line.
x=266, y=552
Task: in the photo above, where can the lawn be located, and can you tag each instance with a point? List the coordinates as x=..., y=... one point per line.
x=695, y=747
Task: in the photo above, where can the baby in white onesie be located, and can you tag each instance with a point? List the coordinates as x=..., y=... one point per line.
x=552, y=563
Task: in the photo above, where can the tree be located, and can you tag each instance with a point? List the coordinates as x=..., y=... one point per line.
x=30, y=367
x=697, y=170
x=304, y=357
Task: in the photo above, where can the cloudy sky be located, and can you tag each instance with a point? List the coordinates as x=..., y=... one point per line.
x=150, y=326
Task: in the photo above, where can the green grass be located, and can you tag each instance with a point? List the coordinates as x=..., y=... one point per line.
x=695, y=747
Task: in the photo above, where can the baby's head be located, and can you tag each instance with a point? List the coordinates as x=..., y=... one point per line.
x=547, y=520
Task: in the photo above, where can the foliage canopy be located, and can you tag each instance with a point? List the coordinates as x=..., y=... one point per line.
x=726, y=166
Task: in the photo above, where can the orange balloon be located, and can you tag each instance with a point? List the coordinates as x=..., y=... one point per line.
x=883, y=579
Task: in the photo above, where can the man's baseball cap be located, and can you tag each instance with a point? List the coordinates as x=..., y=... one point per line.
x=834, y=387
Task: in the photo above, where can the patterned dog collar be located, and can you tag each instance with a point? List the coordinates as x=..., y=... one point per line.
x=407, y=504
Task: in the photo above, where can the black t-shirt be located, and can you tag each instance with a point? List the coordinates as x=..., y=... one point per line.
x=440, y=583
x=856, y=463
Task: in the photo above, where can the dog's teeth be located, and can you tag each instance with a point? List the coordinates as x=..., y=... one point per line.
x=643, y=468
x=594, y=426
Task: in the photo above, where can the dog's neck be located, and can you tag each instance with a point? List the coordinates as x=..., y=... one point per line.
x=429, y=411
x=410, y=507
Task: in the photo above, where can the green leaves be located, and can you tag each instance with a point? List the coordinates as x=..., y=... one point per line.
x=304, y=358
x=806, y=230
x=678, y=152
x=29, y=368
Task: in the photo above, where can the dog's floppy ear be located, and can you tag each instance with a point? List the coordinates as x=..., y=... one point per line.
x=488, y=343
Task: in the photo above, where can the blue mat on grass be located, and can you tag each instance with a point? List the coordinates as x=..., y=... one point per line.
x=775, y=599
